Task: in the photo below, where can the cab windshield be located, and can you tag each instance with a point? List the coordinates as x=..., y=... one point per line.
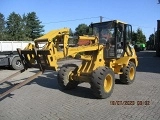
x=104, y=31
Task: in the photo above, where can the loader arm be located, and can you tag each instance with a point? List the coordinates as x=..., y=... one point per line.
x=47, y=57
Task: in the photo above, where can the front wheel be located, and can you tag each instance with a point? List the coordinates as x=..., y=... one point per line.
x=102, y=83
x=64, y=79
x=129, y=73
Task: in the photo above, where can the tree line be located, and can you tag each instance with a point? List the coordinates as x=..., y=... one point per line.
x=152, y=39
x=17, y=28
x=28, y=27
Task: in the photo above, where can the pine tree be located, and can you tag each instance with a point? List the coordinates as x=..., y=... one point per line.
x=2, y=27
x=140, y=36
x=33, y=28
x=14, y=27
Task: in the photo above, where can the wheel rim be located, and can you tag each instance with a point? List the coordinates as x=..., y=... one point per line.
x=18, y=63
x=108, y=83
x=131, y=73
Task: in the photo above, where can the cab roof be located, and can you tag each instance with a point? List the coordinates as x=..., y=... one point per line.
x=116, y=21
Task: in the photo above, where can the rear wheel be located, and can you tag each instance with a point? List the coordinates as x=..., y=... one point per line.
x=102, y=83
x=129, y=73
x=16, y=63
x=64, y=78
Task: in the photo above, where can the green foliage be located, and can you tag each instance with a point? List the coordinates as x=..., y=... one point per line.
x=17, y=28
x=134, y=36
x=2, y=27
x=138, y=36
x=71, y=32
x=82, y=30
x=152, y=39
x=14, y=27
x=33, y=29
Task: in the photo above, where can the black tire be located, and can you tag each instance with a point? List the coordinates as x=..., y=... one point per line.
x=100, y=77
x=16, y=63
x=63, y=78
x=129, y=73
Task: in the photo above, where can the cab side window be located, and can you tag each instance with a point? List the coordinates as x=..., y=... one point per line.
x=120, y=32
x=128, y=33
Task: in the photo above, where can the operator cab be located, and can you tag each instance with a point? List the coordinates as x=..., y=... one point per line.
x=115, y=35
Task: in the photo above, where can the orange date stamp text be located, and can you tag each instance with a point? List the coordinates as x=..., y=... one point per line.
x=138, y=102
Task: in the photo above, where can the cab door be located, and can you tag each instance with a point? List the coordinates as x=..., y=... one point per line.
x=128, y=39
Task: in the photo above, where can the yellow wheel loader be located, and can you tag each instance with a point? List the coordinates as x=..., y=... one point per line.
x=109, y=52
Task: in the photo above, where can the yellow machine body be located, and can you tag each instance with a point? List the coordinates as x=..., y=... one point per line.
x=92, y=55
